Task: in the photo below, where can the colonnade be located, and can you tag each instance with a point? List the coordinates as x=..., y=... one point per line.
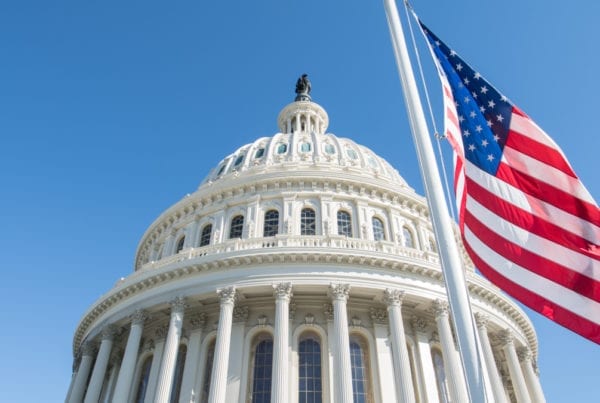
x=87, y=383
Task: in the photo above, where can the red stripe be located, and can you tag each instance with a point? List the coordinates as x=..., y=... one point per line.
x=553, y=271
x=550, y=309
x=549, y=194
x=530, y=221
x=541, y=152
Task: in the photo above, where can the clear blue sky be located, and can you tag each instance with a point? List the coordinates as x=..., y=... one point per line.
x=112, y=111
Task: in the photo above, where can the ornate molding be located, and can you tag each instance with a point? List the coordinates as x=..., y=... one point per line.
x=197, y=321
x=240, y=314
x=88, y=348
x=378, y=316
x=227, y=295
x=328, y=311
x=262, y=321
x=138, y=317
x=283, y=291
x=161, y=331
x=506, y=337
x=524, y=354
x=109, y=332
x=481, y=319
x=339, y=292
x=393, y=297
x=309, y=319
x=440, y=308
x=419, y=324
x=178, y=304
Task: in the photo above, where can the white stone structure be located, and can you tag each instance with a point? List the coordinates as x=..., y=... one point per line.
x=303, y=269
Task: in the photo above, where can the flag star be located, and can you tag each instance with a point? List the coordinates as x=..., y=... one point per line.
x=503, y=98
x=466, y=133
x=484, y=142
x=438, y=43
x=489, y=123
x=467, y=100
x=482, y=108
x=456, y=104
x=491, y=103
x=471, y=147
x=452, y=52
x=466, y=80
x=490, y=157
x=479, y=129
x=459, y=67
x=484, y=90
x=474, y=94
x=460, y=85
x=461, y=118
x=496, y=137
x=499, y=117
x=477, y=76
x=472, y=114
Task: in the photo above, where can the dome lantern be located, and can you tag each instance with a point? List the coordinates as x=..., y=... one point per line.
x=303, y=115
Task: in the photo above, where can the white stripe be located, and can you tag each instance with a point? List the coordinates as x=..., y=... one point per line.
x=539, y=208
x=536, y=244
x=536, y=284
x=528, y=128
x=546, y=173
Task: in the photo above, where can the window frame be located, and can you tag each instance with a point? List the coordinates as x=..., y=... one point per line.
x=271, y=223
x=305, y=224
x=238, y=222
x=344, y=226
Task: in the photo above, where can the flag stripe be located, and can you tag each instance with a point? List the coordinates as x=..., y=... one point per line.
x=567, y=318
x=543, y=265
x=546, y=211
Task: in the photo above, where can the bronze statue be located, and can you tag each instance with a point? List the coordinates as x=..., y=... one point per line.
x=303, y=88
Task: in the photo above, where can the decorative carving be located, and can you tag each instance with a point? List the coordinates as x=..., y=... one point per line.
x=419, y=324
x=339, y=292
x=393, y=297
x=524, y=354
x=109, y=332
x=292, y=311
x=355, y=322
x=240, y=314
x=328, y=311
x=148, y=345
x=198, y=321
x=481, y=319
x=303, y=88
x=161, y=331
x=378, y=316
x=178, y=304
x=138, y=317
x=435, y=337
x=262, y=321
x=440, y=308
x=227, y=295
x=88, y=348
x=309, y=319
x=506, y=337
x=283, y=291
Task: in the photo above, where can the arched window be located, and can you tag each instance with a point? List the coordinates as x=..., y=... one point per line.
x=308, y=222
x=261, y=372
x=282, y=148
x=378, y=232
x=259, y=153
x=440, y=375
x=178, y=376
x=432, y=247
x=205, y=236
x=210, y=357
x=310, y=388
x=305, y=147
x=237, y=226
x=271, y=227
x=142, y=387
x=408, y=238
x=344, y=223
x=180, y=243
x=361, y=382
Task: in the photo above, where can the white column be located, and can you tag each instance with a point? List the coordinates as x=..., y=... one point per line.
x=495, y=380
x=385, y=366
x=280, y=370
x=159, y=347
x=331, y=347
x=427, y=374
x=531, y=378
x=95, y=387
x=83, y=373
x=218, y=382
x=343, y=382
x=516, y=375
x=192, y=359
x=169, y=359
x=405, y=392
x=125, y=378
x=451, y=362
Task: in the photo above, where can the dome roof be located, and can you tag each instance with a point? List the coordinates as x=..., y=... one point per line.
x=307, y=147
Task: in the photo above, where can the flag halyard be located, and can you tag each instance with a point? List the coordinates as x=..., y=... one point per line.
x=527, y=221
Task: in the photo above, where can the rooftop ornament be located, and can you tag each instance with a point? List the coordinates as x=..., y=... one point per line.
x=303, y=89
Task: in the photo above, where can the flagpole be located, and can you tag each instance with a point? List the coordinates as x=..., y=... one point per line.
x=452, y=267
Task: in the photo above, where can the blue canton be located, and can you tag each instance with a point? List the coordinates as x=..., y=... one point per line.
x=483, y=113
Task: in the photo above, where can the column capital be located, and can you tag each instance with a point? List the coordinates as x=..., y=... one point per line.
x=440, y=308
x=88, y=348
x=282, y=291
x=339, y=292
x=506, y=337
x=227, y=295
x=178, y=304
x=138, y=317
x=378, y=316
x=109, y=332
x=393, y=297
x=481, y=319
x=524, y=354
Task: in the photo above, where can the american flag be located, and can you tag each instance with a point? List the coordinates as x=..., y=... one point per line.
x=528, y=223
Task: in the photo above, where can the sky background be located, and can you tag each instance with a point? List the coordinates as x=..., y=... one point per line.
x=112, y=111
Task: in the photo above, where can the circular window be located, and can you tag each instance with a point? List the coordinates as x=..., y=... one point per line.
x=282, y=148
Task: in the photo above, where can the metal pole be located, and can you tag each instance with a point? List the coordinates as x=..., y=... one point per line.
x=442, y=225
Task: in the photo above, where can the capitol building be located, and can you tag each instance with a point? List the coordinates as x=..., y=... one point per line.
x=304, y=269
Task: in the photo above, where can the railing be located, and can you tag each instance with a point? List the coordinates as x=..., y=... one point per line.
x=295, y=241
